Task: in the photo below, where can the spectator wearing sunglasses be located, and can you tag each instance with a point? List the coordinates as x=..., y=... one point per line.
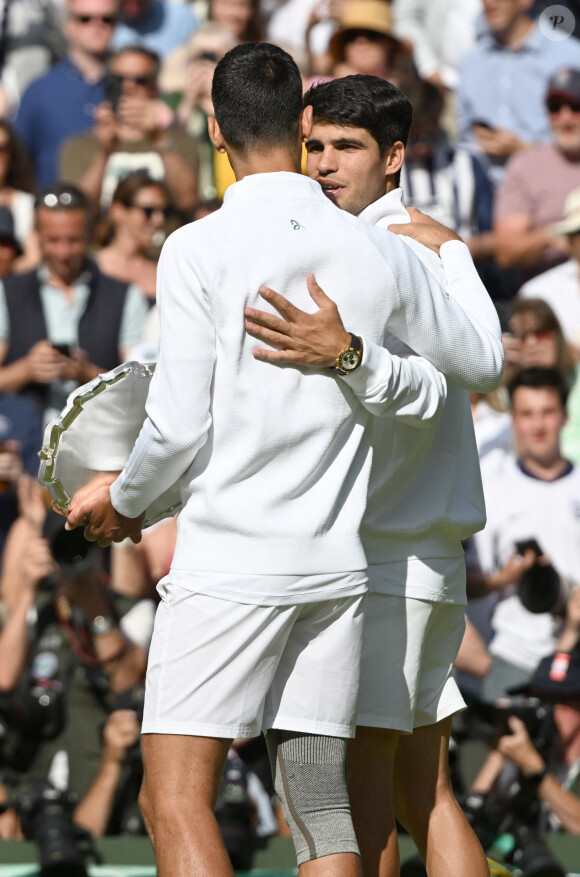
x=137, y=218
x=133, y=131
x=66, y=321
x=61, y=103
x=537, y=339
x=533, y=193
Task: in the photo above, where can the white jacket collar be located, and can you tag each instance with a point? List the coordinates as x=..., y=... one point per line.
x=391, y=206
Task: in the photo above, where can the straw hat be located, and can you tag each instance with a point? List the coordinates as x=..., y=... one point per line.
x=571, y=222
x=372, y=15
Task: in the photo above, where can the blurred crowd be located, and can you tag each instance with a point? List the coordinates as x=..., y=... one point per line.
x=104, y=150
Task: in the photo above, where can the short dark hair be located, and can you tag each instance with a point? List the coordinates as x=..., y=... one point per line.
x=138, y=49
x=257, y=96
x=363, y=101
x=540, y=379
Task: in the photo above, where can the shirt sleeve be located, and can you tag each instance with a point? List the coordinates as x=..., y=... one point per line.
x=463, y=108
x=178, y=410
x=410, y=389
x=133, y=318
x=513, y=194
x=465, y=286
x=450, y=322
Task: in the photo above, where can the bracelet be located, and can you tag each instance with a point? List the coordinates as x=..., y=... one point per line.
x=534, y=781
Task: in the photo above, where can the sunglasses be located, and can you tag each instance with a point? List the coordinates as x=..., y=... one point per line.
x=54, y=200
x=104, y=19
x=555, y=104
x=538, y=334
x=354, y=33
x=136, y=80
x=205, y=56
x=148, y=210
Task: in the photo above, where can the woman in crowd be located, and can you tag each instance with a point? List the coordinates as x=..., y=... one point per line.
x=243, y=18
x=365, y=43
x=536, y=339
x=137, y=218
x=15, y=194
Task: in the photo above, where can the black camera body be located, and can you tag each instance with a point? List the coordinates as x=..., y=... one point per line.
x=46, y=818
x=513, y=807
x=113, y=91
x=540, y=588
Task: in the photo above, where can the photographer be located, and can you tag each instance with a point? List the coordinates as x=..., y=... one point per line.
x=65, y=658
x=93, y=813
x=132, y=132
x=551, y=778
x=529, y=552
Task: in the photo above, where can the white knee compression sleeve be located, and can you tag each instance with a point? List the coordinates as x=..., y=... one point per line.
x=309, y=778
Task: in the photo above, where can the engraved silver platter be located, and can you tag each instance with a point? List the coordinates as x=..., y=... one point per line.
x=95, y=432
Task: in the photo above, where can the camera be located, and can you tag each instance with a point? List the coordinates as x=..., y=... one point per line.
x=540, y=588
x=38, y=711
x=234, y=813
x=46, y=818
x=513, y=806
x=113, y=91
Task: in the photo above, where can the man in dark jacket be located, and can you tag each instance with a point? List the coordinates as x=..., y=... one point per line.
x=63, y=323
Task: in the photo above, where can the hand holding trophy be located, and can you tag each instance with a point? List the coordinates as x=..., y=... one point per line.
x=88, y=444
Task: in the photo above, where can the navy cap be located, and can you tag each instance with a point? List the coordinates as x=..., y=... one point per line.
x=557, y=677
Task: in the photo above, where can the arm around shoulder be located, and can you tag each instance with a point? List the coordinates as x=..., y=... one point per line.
x=459, y=334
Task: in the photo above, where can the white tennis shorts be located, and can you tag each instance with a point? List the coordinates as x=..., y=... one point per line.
x=409, y=647
x=224, y=669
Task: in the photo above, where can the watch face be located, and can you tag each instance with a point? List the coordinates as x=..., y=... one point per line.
x=349, y=360
x=102, y=624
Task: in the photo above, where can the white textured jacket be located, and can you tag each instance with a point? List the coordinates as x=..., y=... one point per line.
x=274, y=461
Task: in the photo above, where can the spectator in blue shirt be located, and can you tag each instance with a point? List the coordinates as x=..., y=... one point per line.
x=60, y=104
x=158, y=25
x=503, y=82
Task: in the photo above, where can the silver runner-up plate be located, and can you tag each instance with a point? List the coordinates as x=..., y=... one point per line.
x=95, y=432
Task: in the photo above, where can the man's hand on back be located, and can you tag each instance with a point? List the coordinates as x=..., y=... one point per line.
x=425, y=230
x=303, y=339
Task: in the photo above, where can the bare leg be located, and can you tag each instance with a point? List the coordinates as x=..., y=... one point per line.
x=370, y=766
x=339, y=865
x=426, y=806
x=179, y=792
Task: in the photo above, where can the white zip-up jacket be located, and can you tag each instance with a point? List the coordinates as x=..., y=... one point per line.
x=425, y=492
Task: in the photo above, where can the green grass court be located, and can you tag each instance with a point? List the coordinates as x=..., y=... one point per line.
x=133, y=857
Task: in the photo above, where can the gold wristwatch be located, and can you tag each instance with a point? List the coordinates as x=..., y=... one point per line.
x=350, y=358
